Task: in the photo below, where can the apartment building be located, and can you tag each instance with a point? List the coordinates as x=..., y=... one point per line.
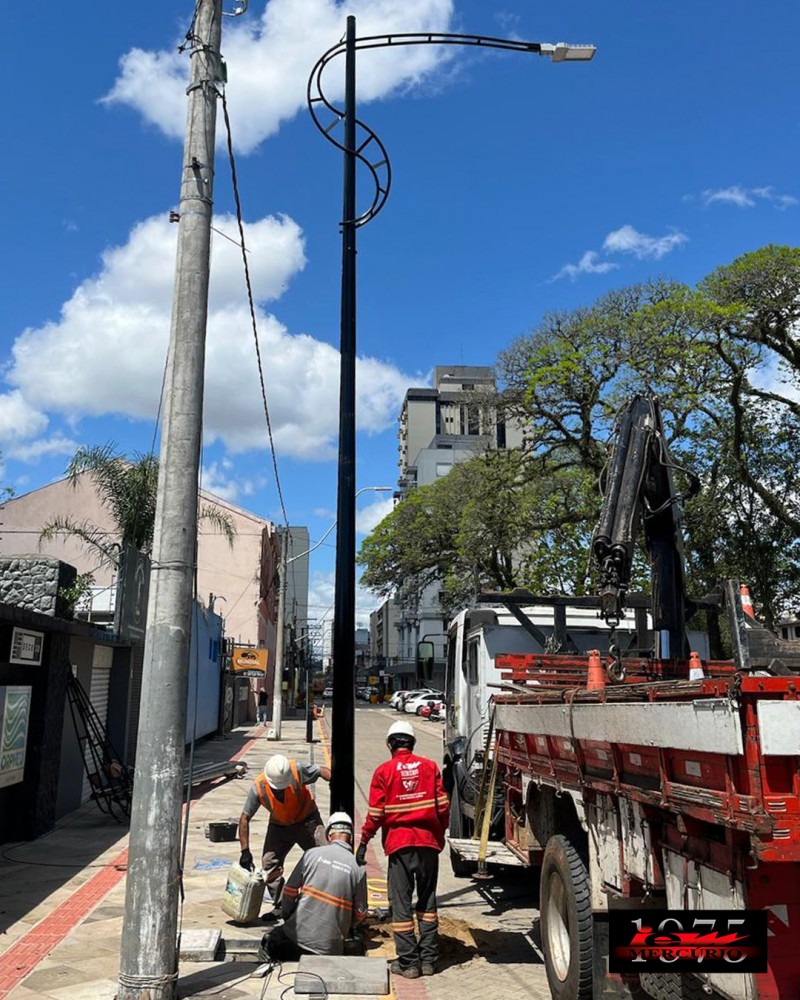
x=460, y=417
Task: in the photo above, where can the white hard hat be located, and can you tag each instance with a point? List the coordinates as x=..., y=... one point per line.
x=278, y=771
x=401, y=729
x=339, y=820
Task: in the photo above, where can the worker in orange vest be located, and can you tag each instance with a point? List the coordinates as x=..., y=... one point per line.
x=282, y=789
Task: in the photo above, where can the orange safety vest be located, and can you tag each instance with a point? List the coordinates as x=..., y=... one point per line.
x=297, y=804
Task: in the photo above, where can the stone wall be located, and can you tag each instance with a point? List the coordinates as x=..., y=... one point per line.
x=34, y=582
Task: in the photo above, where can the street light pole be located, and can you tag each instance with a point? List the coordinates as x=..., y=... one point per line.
x=280, y=640
x=371, y=152
x=343, y=732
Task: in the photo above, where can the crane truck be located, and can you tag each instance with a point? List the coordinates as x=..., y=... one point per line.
x=642, y=774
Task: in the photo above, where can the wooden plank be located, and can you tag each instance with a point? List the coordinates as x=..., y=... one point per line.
x=496, y=851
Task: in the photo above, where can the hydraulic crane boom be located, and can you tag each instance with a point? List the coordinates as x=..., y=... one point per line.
x=640, y=495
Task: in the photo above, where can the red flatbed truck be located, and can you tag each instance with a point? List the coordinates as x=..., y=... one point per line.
x=644, y=779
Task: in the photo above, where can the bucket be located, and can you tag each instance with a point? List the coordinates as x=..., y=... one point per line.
x=244, y=892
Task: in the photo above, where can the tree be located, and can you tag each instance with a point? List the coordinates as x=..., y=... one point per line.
x=493, y=522
x=724, y=360
x=705, y=353
x=127, y=490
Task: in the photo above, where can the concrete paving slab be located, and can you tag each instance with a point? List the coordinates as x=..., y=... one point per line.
x=99, y=989
x=199, y=944
x=346, y=974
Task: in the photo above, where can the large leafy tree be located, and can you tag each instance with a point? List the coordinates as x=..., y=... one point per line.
x=127, y=489
x=724, y=360
x=493, y=522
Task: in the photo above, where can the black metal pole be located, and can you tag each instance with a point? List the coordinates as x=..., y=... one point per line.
x=344, y=619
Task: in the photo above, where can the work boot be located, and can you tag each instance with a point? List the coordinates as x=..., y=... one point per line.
x=412, y=972
x=428, y=969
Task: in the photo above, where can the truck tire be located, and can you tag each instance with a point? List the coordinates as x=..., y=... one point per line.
x=461, y=868
x=565, y=914
x=674, y=986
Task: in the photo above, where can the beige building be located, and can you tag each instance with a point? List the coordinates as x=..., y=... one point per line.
x=231, y=574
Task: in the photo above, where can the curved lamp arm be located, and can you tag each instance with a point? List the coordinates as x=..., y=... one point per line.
x=371, y=151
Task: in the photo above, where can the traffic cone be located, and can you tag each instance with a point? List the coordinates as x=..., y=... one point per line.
x=596, y=675
x=747, y=602
x=695, y=667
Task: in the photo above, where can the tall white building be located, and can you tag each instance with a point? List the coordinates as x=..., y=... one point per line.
x=457, y=419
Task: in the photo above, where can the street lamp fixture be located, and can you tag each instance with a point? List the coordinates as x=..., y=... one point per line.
x=562, y=52
x=360, y=143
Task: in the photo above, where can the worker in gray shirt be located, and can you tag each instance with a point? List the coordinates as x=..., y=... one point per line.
x=324, y=899
x=294, y=818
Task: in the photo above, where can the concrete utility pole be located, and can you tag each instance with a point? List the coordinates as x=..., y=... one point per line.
x=149, y=957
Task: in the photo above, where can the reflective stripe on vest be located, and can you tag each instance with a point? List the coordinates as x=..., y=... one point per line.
x=298, y=802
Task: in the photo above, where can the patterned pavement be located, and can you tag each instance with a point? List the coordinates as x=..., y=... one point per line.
x=62, y=896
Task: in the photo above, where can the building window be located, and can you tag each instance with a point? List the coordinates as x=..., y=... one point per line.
x=442, y=468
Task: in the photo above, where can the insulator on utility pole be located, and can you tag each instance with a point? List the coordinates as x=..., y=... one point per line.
x=149, y=953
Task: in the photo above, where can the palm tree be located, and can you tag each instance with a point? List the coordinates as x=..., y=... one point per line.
x=127, y=490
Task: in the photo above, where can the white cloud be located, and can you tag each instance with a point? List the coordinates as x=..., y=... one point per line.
x=370, y=516
x=32, y=451
x=747, y=197
x=269, y=57
x=18, y=418
x=105, y=354
x=321, y=592
x=626, y=239
x=588, y=264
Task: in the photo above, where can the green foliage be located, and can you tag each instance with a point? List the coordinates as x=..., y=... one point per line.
x=127, y=489
x=724, y=360
x=70, y=598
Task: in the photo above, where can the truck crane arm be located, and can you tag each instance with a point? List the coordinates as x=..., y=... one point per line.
x=639, y=496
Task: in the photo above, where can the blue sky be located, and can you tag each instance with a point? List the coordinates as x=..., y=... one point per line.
x=519, y=187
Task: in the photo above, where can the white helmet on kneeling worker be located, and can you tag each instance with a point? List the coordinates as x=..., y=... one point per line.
x=340, y=822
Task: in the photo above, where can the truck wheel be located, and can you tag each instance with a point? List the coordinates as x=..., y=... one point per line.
x=461, y=868
x=673, y=986
x=565, y=912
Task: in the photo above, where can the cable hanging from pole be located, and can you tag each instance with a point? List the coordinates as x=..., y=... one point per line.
x=251, y=302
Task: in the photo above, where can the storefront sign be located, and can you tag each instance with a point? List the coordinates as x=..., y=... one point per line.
x=133, y=587
x=247, y=661
x=26, y=646
x=15, y=710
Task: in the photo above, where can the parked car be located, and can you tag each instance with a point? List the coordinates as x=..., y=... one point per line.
x=328, y=692
x=412, y=705
x=396, y=696
x=401, y=701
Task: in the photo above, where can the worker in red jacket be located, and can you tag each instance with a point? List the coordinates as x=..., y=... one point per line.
x=408, y=802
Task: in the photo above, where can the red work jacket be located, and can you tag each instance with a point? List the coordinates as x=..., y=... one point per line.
x=298, y=802
x=408, y=802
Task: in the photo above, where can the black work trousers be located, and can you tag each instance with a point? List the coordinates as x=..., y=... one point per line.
x=410, y=868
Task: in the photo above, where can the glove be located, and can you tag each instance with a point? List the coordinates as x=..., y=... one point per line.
x=361, y=854
x=246, y=860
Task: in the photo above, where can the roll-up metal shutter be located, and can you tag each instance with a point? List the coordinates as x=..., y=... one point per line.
x=98, y=696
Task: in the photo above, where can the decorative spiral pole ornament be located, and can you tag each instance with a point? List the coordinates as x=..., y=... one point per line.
x=369, y=149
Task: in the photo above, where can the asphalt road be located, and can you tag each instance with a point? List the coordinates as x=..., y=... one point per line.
x=487, y=929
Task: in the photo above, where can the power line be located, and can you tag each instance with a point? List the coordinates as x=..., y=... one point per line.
x=238, y=202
